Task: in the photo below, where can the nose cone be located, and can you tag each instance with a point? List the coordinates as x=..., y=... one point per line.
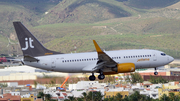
x=170, y=59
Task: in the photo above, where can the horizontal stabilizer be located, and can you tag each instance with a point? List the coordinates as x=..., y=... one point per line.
x=15, y=60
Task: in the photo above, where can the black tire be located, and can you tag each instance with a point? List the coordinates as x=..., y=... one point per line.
x=155, y=73
x=101, y=76
x=92, y=78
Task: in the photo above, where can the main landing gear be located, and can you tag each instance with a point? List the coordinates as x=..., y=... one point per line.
x=155, y=73
x=92, y=77
x=101, y=76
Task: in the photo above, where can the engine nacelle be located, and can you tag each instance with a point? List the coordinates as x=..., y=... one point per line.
x=122, y=68
x=125, y=67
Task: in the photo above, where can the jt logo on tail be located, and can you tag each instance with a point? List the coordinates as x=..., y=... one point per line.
x=26, y=44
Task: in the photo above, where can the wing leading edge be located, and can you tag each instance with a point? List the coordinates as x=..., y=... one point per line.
x=103, y=57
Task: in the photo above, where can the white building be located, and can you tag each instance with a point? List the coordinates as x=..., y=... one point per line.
x=87, y=85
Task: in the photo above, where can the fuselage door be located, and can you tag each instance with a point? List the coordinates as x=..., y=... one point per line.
x=53, y=63
x=154, y=56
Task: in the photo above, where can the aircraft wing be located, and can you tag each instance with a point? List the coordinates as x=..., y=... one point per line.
x=104, y=59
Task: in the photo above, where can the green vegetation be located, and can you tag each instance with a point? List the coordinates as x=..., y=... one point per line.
x=156, y=80
x=3, y=85
x=135, y=78
x=45, y=97
x=90, y=96
x=147, y=4
x=71, y=23
x=136, y=96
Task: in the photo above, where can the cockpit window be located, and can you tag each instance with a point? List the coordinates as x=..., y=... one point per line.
x=163, y=54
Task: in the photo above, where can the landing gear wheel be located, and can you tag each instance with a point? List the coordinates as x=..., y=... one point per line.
x=92, y=78
x=101, y=76
x=155, y=73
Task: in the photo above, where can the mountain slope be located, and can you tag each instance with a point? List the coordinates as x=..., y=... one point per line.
x=149, y=4
x=83, y=11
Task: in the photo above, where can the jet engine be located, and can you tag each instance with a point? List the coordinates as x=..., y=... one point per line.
x=122, y=68
x=125, y=67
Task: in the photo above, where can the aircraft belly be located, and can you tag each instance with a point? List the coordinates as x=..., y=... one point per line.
x=71, y=67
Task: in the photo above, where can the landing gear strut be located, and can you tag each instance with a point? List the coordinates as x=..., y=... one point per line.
x=92, y=77
x=101, y=75
x=155, y=73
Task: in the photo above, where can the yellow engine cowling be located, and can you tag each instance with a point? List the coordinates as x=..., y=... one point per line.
x=125, y=67
x=122, y=68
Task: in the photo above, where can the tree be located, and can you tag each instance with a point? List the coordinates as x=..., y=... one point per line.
x=84, y=96
x=47, y=97
x=171, y=96
x=136, y=78
x=95, y=96
x=164, y=97
x=137, y=97
x=40, y=95
x=71, y=98
x=35, y=83
x=127, y=78
x=156, y=80
x=80, y=99
x=118, y=97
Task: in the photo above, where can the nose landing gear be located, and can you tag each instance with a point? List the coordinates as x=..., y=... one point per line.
x=155, y=73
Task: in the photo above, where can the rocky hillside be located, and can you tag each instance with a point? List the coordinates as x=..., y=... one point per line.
x=62, y=25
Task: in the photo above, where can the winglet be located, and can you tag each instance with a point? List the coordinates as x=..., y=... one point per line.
x=98, y=49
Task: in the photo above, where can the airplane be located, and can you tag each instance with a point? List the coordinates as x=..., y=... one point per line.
x=102, y=62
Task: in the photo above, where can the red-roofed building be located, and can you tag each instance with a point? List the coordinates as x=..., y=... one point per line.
x=64, y=94
x=15, y=98
x=3, y=99
x=8, y=96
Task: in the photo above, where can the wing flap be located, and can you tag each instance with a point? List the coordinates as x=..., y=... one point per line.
x=89, y=68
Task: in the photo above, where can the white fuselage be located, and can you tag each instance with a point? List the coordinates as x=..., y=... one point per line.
x=85, y=62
